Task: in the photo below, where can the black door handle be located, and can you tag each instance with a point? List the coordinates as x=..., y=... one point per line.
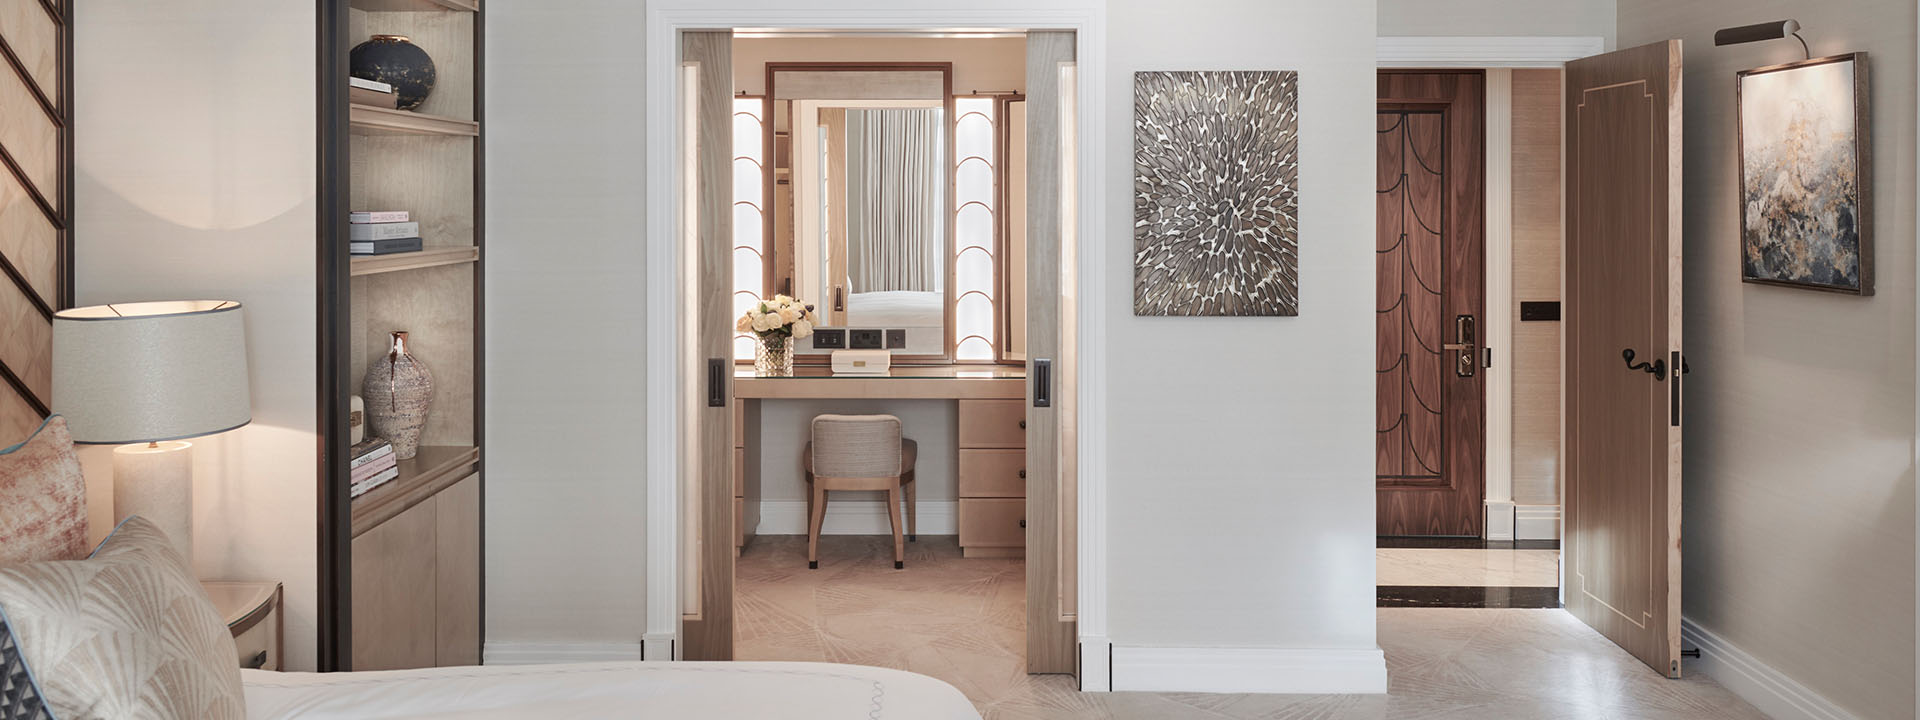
x=717, y=382
x=1657, y=368
x=1042, y=384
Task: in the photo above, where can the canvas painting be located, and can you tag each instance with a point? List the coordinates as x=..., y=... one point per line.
x=1805, y=186
x=1216, y=175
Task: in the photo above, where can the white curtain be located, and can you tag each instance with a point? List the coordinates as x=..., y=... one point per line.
x=895, y=199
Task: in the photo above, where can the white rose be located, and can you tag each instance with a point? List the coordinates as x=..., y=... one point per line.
x=802, y=328
x=744, y=324
x=764, y=323
x=789, y=314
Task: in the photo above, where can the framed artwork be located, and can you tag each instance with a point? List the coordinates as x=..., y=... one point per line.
x=1215, y=193
x=1806, y=180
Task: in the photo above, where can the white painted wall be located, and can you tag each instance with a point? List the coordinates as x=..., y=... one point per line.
x=195, y=179
x=1241, y=460
x=566, y=401
x=979, y=64
x=1499, y=17
x=1799, y=493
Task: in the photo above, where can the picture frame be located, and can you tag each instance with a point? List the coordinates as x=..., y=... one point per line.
x=1805, y=191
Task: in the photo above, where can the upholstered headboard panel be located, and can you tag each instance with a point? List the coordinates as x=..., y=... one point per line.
x=36, y=190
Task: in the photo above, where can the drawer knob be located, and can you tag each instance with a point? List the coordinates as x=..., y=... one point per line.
x=1023, y=424
x=1023, y=473
x=1023, y=523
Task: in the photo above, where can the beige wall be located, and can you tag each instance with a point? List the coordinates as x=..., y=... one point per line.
x=979, y=64
x=1799, y=539
x=1536, y=277
x=1498, y=17
x=204, y=188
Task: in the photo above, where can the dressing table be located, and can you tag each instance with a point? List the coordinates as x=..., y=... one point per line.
x=991, y=440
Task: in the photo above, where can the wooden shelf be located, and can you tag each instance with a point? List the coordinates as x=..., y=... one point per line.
x=431, y=257
x=433, y=469
x=417, y=5
x=370, y=120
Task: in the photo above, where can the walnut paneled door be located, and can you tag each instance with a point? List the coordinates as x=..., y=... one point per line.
x=36, y=192
x=1623, y=349
x=1430, y=397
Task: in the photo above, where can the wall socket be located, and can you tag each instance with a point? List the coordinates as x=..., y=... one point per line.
x=830, y=339
x=897, y=339
x=865, y=339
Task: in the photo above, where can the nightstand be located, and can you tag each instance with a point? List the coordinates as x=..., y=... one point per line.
x=252, y=612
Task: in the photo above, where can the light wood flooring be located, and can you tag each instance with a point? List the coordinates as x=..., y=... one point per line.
x=962, y=621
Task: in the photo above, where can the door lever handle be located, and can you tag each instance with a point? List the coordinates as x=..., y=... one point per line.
x=1657, y=368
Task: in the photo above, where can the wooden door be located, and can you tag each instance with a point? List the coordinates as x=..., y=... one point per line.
x=1050, y=626
x=1430, y=432
x=707, y=630
x=1622, y=534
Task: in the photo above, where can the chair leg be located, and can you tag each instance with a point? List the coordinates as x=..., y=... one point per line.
x=913, y=505
x=819, y=513
x=893, y=511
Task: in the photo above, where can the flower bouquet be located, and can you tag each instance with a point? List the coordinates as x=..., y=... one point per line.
x=777, y=322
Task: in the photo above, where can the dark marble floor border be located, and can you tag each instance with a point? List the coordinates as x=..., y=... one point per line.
x=1439, y=596
x=1463, y=543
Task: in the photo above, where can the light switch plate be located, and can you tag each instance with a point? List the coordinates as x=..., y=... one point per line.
x=896, y=339
x=864, y=339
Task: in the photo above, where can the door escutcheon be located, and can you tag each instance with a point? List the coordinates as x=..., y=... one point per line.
x=1465, y=360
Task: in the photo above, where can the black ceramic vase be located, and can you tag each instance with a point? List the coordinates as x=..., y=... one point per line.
x=394, y=60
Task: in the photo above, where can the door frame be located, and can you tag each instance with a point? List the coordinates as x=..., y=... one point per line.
x=1494, y=53
x=666, y=19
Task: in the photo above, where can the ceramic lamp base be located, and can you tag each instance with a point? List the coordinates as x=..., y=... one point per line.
x=155, y=481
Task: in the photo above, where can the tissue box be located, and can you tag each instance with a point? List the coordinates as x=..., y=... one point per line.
x=861, y=362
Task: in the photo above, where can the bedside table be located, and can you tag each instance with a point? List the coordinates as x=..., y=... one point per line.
x=252, y=612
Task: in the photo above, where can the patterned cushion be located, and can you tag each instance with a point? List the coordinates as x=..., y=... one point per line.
x=126, y=633
x=43, y=498
x=19, y=694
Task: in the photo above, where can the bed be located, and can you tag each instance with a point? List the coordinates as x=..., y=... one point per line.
x=801, y=691
x=897, y=309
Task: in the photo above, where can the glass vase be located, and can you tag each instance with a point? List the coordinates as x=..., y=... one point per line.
x=775, y=358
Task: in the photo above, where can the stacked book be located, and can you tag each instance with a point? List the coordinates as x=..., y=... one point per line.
x=383, y=233
x=373, y=465
x=361, y=91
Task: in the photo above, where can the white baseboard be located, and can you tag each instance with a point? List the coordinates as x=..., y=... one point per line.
x=1536, y=522
x=1499, y=520
x=1773, y=692
x=853, y=517
x=1249, y=670
x=658, y=647
x=513, y=653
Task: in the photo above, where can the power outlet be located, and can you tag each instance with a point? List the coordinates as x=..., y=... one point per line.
x=830, y=339
x=865, y=339
x=897, y=339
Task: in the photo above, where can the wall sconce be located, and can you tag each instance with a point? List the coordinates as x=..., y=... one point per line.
x=1763, y=31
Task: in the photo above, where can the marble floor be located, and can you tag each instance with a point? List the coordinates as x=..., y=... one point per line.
x=1472, y=568
x=963, y=621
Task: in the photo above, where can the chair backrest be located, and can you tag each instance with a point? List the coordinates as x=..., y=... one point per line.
x=856, y=446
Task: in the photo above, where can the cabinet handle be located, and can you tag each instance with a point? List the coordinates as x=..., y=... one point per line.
x=1023, y=473
x=1023, y=523
x=1023, y=424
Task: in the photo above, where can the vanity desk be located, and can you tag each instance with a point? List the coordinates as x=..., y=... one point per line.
x=990, y=428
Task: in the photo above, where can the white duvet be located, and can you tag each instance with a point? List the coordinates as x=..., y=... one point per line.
x=657, y=691
x=897, y=309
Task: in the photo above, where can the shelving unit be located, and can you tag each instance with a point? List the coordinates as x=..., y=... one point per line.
x=407, y=592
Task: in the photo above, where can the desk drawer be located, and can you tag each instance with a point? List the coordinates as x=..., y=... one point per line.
x=993, y=473
x=992, y=522
x=993, y=423
x=259, y=646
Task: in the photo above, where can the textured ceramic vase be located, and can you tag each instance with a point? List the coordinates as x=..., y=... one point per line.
x=398, y=391
x=775, y=358
x=396, y=61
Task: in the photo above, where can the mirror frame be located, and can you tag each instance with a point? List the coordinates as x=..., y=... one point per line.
x=780, y=263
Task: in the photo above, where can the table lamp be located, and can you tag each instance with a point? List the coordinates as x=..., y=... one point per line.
x=147, y=376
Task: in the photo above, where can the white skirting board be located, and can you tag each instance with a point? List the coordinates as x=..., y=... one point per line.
x=1249, y=670
x=1536, y=522
x=513, y=653
x=854, y=517
x=1499, y=520
x=1779, y=696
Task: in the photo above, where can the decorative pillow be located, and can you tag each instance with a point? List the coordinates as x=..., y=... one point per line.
x=126, y=633
x=19, y=694
x=43, y=498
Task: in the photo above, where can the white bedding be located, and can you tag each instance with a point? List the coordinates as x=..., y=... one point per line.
x=897, y=309
x=657, y=691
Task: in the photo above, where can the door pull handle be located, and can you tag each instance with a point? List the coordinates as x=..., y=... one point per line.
x=1042, y=384
x=1467, y=359
x=1657, y=368
x=717, y=382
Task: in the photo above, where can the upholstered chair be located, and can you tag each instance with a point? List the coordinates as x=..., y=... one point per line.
x=859, y=452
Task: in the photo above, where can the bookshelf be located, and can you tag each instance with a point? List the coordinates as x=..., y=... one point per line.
x=401, y=566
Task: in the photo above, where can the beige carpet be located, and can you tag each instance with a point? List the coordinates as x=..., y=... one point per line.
x=962, y=621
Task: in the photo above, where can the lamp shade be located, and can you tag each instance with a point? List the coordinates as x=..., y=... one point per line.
x=146, y=372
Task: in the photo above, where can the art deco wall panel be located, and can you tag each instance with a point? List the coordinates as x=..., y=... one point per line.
x=35, y=191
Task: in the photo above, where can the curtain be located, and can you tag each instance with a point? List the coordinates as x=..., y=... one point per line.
x=895, y=199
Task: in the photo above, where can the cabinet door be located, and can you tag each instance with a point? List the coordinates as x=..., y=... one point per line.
x=391, y=614
x=457, y=574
